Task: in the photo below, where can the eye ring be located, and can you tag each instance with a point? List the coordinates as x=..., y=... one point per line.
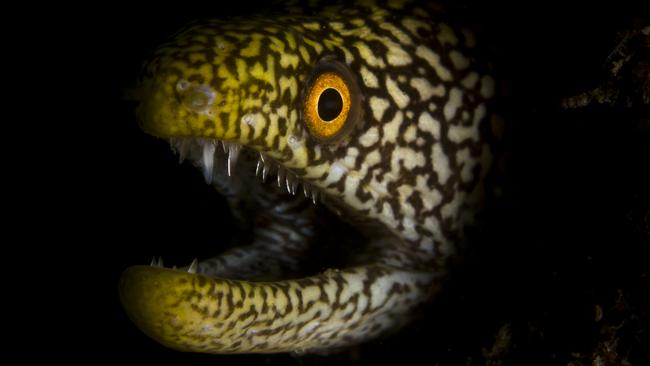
x=331, y=106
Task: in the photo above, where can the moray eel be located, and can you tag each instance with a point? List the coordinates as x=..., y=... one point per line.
x=374, y=113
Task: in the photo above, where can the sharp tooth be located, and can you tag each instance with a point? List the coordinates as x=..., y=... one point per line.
x=287, y=181
x=314, y=196
x=224, y=145
x=172, y=143
x=208, y=160
x=265, y=173
x=194, y=266
x=233, y=155
x=294, y=186
x=156, y=262
x=305, y=189
x=258, y=168
x=262, y=158
x=280, y=176
x=183, y=148
x=179, y=146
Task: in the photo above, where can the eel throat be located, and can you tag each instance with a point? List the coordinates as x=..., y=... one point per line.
x=350, y=142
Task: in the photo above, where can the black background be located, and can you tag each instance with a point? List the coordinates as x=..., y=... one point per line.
x=571, y=234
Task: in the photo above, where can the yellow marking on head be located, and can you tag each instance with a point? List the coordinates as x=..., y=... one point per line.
x=272, y=131
x=233, y=118
x=421, y=12
x=304, y=54
x=391, y=129
x=401, y=36
x=314, y=26
x=469, y=82
x=206, y=71
x=315, y=45
x=447, y=35
x=487, y=87
x=412, y=25
x=378, y=106
x=479, y=113
x=337, y=26
x=370, y=137
x=290, y=84
x=230, y=81
x=348, y=55
x=258, y=72
x=358, y=22
x=454, y=102
x=427, y=123
x=366, y=54
x=399, y=97
x=289, y=59
x=253, y=48
x=396, y=4
x=200, y=38
x=368, y=77
x=291, y=40
x=426, y=90
x=249, y=102
x=459, y=61
x=410, y=134
x=396, y=55
x=276, y=44
x=433, y=59
x=198, y=57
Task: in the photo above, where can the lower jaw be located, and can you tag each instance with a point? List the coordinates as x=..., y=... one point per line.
x=336, y=308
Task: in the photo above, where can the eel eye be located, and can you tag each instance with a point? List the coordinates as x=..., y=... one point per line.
x=331, y=104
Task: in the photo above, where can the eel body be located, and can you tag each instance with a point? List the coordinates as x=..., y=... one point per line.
x=366, y=124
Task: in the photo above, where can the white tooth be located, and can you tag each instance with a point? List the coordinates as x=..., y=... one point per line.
x=280, y=176
x=262, y=157
x=305, y=189
x=233, y=155
x=183, y=146
x=287, y=181
x=194, y=266
x=153, y=262
x=294, y=186
x=258, y=168
x=314, y=196
x=208, y=160
x=265, y=173
x=224, y=145
x=172, y=144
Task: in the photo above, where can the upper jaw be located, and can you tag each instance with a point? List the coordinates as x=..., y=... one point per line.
x=222, y=161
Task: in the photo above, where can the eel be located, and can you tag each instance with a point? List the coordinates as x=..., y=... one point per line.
x=367, y=124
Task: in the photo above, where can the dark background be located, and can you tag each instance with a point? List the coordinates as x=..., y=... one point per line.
x=570, y=237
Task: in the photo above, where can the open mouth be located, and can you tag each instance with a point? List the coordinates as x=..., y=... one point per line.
x=282, y=224
x=300, y=278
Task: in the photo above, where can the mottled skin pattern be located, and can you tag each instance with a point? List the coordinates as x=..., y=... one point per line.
x=405, y=169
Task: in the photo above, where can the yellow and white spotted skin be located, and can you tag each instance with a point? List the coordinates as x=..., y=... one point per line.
x=399, y=148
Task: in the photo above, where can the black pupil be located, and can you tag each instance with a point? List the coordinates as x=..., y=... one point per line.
x=330, y=104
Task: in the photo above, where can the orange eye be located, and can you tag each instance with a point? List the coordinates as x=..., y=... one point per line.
x=327, y=105
x=331, y=102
